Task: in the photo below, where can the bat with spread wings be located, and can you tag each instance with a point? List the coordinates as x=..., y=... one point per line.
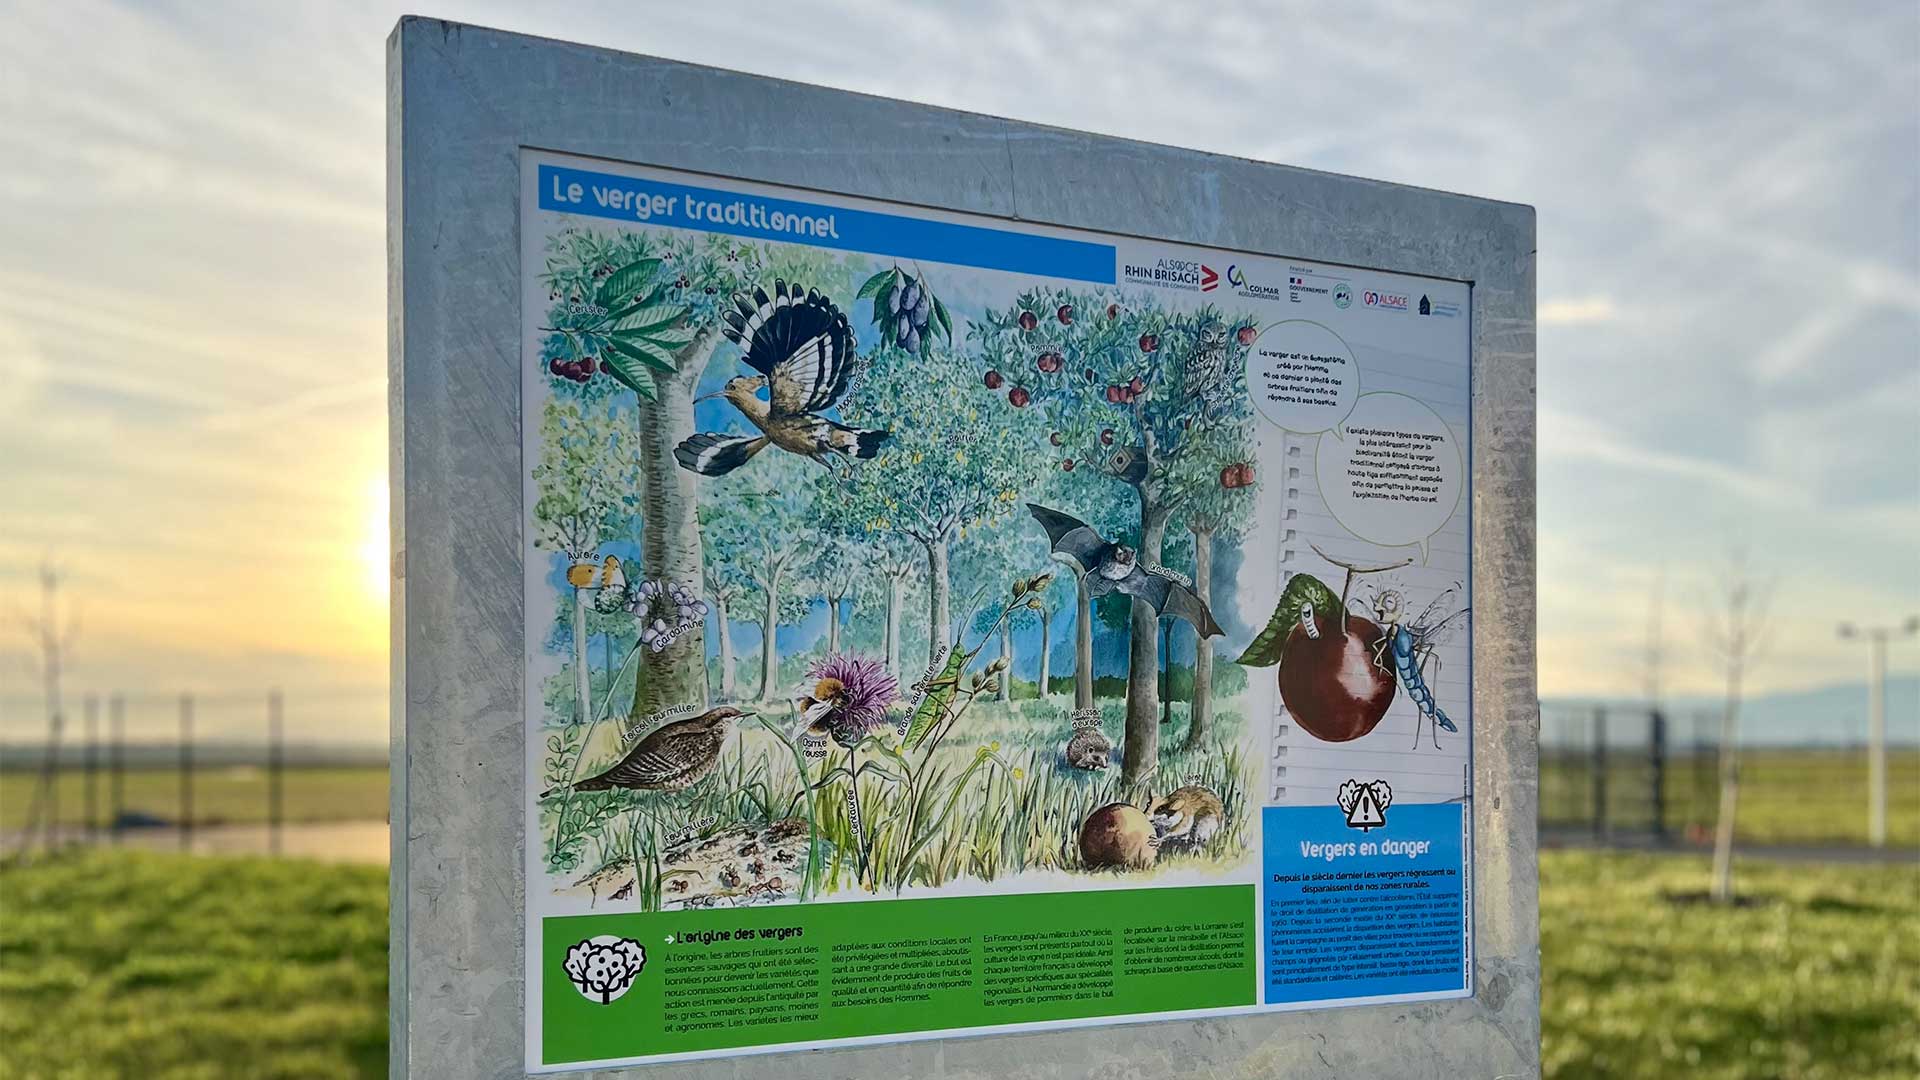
x=1116, y=568
x=802, y=347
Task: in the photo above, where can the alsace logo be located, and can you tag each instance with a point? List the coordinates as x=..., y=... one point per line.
x=1183, y=274
x=1384, y=301
x=1365, y=804
x=1237, y=278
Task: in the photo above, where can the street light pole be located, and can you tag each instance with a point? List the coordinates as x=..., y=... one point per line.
x=1877, y=638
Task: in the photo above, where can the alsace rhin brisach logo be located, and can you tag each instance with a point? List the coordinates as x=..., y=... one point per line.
x=1185, y=274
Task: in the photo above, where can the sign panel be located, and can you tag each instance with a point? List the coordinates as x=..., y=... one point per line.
x=940, y=624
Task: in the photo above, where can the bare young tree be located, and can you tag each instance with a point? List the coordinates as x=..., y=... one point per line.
x=1734, y=625
x=50, y=633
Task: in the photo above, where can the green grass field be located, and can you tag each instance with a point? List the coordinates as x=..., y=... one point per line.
x=221, y=795
x=1809, y=797
x=163, y=966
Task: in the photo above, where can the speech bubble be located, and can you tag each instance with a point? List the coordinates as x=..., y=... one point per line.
x=1392, y=473
x=1301, y=376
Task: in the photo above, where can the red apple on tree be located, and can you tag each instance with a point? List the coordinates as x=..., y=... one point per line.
x=1065, y=314
x=1331, y=683
x=1137, y=386
x=1067, y=465
x=993, y=380
x=1247, y=334
x=1019, y=397
x=1113, y=311
x=1028, y=320
x=1056, y=440
x=1246, y=475
x=1106, y=436
x=1149, y=342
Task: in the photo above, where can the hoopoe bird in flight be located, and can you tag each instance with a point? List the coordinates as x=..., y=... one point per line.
x=802, y=347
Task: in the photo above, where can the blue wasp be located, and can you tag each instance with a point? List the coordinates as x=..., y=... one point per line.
x=1412, y=646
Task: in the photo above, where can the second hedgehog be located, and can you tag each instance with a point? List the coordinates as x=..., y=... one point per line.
x=1187, y=817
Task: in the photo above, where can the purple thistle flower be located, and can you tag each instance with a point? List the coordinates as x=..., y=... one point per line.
x=851, y=696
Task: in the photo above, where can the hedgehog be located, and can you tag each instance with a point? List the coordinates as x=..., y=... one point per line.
x=1088, y=749
x=1187, y=817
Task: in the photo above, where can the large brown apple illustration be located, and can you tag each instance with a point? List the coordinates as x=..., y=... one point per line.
x=1331, y=683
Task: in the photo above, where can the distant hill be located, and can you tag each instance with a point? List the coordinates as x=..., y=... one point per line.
x=1831, y=715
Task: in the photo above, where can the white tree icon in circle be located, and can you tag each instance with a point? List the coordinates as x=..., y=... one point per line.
x=603, y=968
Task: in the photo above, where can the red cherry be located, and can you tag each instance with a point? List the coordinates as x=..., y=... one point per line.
x=993, y=380
x=1065, y=314
x=1113, y=311
x=1056, y=440
x=1019, y=397
x=1113, y=395
x=1067, y=465
x=1149, y=342
x=589, y=366
x=557, y=366
x=1246, y=475
x=1137, y=386
x=1229, y=477
x=1247, y=334
x=1106, y=437
x=1028, y=320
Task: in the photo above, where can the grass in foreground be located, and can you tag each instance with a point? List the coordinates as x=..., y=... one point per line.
x=128, y=964
x=121, y=964
x=1818, y=978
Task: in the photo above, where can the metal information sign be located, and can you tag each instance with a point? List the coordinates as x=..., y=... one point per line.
x=934, y=622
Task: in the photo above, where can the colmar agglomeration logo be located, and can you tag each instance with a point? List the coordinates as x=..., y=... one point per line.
x=1185, y=274
x=1237, y=278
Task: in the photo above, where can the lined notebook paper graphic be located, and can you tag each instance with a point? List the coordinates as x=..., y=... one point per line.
x=1307, y=770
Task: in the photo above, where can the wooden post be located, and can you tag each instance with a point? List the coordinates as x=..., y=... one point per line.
x=90, y=760
x=186, y=772
x=116, y=762
x=1657, y=773
x=276, y=767
x=1600, y=773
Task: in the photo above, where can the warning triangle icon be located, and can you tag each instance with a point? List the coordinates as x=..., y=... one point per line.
x=1366, y=813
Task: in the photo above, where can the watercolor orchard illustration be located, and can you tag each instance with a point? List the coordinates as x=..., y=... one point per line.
x=873, y=578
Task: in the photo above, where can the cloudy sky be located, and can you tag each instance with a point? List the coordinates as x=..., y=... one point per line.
x=192, y=289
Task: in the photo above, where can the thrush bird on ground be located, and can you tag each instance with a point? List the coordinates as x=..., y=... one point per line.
x=802, y=347
x=675, y=756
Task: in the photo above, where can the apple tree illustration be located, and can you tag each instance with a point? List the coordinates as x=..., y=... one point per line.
x=634, y=313
x=1152, y=400
x=952, y=464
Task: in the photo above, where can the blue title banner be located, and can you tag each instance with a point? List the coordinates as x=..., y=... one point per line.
x=1367, y=904
x=679, y=206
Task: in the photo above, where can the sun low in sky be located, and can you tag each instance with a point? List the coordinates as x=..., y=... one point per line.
x=193, y=288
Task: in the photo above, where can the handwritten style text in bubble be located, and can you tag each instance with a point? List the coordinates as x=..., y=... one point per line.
x=1392, y=473
x=1301, y=376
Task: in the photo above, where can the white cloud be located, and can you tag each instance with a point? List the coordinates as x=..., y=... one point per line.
x=1576, y=311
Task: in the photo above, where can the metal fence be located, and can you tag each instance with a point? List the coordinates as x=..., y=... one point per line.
x=168, y=767
x=1628, y=774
